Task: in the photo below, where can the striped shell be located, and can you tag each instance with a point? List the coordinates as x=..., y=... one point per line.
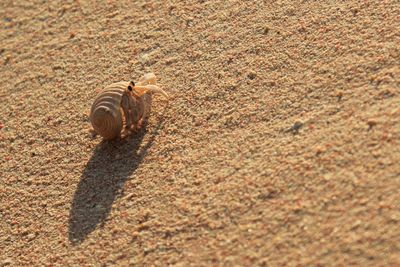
x=106, y=114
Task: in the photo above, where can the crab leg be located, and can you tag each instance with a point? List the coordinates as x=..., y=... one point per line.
x=141, y=90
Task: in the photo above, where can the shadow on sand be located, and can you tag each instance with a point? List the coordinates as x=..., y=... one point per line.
x=103, y=178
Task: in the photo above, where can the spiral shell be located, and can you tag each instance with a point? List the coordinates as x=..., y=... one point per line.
x=123, y=103
x=105, y=114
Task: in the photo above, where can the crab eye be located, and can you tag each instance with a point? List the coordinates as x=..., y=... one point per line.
x=132, y=84
x=130, y=88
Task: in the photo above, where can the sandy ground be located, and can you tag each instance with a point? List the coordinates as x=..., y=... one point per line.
x=280, y=146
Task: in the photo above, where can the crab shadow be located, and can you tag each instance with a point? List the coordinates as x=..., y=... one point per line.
x=103, y=179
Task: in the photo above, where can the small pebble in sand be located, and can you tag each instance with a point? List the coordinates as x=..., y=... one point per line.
x=251, y=75
x=371, y=123
x=295, y=128
x=339, y=95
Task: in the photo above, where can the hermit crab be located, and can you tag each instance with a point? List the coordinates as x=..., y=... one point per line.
x=122, y=104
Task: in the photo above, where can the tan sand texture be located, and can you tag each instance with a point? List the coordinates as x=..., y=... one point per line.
x=280, y=145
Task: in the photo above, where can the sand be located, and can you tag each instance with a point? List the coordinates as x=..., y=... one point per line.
x=280, y=145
